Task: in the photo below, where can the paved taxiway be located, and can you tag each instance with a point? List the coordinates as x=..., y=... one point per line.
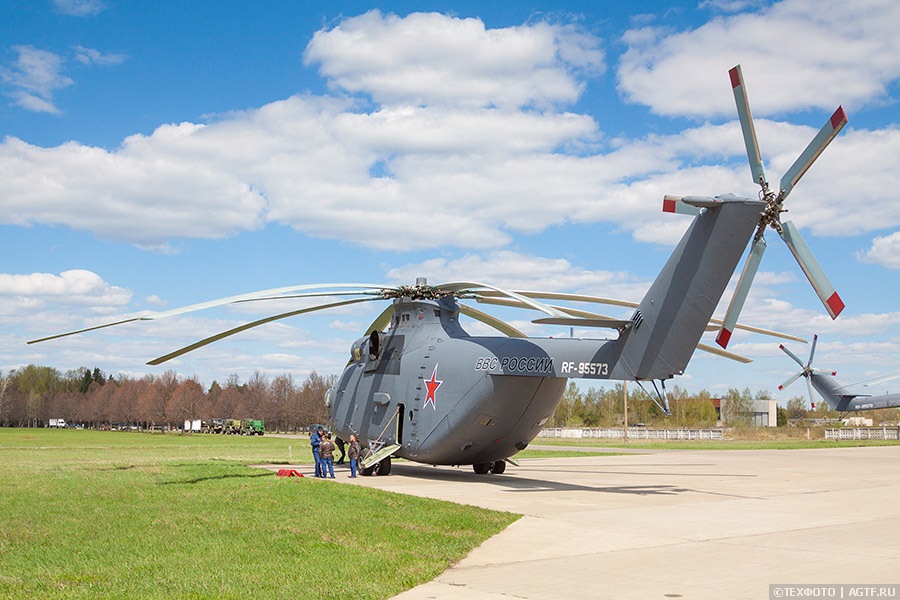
x=672, y=524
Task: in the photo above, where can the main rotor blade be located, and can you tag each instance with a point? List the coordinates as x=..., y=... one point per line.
x=868, y=382
x=741, y=291
x=743, y=108
x=724, y=353
x=466, y=285
x=831, y=128
x=829, y=297
x=59, y=335
x=486, y=297
x=792, y=355
x=381, y=320
x=251, y=296
x=790, y=381
x=564, y=296
x=325, y=293
x=494, y=322
x=261, y=294
x=246, y=326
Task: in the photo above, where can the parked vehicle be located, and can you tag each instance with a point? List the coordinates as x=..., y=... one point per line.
x=253, y=427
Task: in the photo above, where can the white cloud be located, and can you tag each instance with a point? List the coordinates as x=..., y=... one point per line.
x=885, y=251
x=80, y=8
x=35, y=76
x=430, y=59
x=90, y=56
x=795, y=55
x=74, y=286
x=407, y=177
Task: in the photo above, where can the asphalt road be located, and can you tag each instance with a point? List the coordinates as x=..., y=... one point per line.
x=683, y=524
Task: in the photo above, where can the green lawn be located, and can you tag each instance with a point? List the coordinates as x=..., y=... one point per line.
x=119, y=514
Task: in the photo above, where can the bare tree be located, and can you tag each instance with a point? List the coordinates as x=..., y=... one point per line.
x=4, y=383
x=187, y=401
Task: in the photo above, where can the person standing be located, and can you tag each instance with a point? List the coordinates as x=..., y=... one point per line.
x=315, y=441
x=353, y=451
x=326, y=452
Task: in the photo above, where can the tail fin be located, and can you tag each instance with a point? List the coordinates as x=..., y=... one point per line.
x=668, y=323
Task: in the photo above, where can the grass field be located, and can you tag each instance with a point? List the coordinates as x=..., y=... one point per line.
x=87, y=514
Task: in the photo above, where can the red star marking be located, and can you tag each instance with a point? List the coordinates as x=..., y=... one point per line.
x=433, y=384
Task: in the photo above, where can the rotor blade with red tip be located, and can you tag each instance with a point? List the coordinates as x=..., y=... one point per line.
x=792, y=355
x=812, y=350
x=743, y=108
x=741, y=291
x=790, y=381
x=830, y=298
x=813, y=150
x=809, y=388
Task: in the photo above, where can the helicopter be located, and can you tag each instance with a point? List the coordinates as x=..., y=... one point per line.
x=419, y=387
x=834, y=393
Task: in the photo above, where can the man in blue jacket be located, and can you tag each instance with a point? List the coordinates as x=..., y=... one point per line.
x=315, y=441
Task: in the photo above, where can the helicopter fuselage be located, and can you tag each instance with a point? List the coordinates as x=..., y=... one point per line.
x=449, y=398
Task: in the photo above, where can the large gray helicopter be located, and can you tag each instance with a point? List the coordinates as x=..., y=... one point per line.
x=418, y=386
x=835, y=394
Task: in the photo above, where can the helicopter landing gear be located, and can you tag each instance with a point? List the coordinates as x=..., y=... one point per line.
x=382, y=467
x=496, y=467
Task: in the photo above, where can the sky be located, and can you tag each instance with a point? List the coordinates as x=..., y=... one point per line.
x=159, y=154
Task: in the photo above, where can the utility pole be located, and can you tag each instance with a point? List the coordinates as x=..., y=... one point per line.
x=625, y=391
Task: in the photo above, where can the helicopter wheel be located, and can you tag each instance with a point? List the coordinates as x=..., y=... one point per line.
x=383, y=467
x=482, y=468
x=498, y=467
x=367, y=471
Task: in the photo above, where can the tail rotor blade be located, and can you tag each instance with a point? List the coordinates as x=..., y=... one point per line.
x=812, y=351
x=790, y=381
x=792, y=355
x=826, y=292
x=813, y=150
x=743, y=108
x=809, y=388
x=740, y=293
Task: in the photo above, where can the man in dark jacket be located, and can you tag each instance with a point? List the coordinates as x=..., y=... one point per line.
x=326, y=451
x=315, y=441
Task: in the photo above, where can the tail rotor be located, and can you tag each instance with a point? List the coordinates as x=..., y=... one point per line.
x=806, y=370
x=771, y=215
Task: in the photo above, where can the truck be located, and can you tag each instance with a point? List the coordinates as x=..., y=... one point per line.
x=61, y=423
x=232, y=427
x=253, y=427
x=192, y=425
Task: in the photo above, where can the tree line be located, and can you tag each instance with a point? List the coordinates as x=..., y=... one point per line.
x=606, y=408
x=31, y=396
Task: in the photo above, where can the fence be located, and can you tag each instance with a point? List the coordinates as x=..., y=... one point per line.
x=634, y=433
x=863, y=433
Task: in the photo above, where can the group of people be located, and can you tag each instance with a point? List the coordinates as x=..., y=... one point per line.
x=323, y=453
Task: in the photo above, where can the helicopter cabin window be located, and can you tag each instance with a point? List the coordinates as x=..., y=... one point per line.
x=374, y=345
x=374, y=349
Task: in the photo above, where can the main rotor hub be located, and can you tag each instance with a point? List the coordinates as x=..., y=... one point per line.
x=420, y=291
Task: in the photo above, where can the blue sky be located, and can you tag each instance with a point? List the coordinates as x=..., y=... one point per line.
x=159, y=154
